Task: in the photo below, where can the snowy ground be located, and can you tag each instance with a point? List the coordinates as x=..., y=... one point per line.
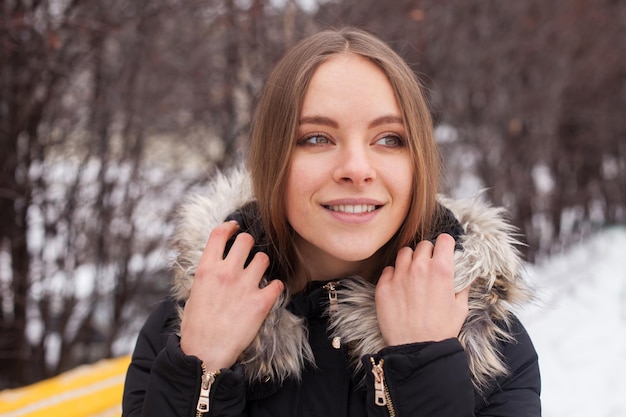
x=579, y=328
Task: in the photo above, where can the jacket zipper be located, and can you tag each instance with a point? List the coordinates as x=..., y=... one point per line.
x=331, y=288
x=381, y=392
x=208, y=378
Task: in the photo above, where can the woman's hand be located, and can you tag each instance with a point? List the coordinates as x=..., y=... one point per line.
x=415, y=300
x=226, y=307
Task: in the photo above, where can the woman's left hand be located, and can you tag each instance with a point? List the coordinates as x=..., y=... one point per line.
x=415, y=300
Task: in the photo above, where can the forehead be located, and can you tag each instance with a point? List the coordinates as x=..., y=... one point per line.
x=349, y=80
x=345, y=66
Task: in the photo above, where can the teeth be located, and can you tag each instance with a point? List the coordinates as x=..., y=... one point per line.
x=357, y=209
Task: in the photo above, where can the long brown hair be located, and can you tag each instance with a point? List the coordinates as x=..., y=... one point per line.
x=275, y=126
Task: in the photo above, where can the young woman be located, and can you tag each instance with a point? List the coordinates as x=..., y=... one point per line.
x=339, y=284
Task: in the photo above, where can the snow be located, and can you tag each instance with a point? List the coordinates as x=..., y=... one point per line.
x=579, y=327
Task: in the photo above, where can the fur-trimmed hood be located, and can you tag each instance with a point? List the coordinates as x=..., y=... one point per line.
x=489, y=262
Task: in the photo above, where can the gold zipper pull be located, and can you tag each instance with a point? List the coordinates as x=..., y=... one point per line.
x=380, y=398
x=331, y=287
x=208, y=378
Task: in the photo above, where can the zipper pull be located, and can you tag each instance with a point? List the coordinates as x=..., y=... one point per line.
x=331, y=287
x=208, y=378
x=379, y=382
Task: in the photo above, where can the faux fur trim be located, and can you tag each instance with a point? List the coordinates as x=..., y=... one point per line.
x=489, y=261
x=281, y=348
x=198, y=216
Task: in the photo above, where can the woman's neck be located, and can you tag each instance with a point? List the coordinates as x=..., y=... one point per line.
x=313, y=265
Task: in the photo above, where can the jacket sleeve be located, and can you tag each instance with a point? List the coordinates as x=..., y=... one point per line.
x=518, y=393
x=433, y=379
x=162, y=380
x=421, y=379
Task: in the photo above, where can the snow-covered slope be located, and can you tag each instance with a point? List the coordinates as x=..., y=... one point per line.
x=579, y=328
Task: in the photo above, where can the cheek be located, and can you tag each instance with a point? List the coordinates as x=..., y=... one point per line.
x=304, y=174
x=401, y=179
x=404, y=194
x=295, y=191
x=407, y=191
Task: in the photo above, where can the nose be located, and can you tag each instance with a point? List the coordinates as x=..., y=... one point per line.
x=354, y=165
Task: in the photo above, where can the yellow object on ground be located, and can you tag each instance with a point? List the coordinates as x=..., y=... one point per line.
x=87, y=391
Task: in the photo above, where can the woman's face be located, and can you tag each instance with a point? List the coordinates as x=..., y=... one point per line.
x=350, y=179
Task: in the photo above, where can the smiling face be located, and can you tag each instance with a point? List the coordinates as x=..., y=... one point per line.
x=349, y=185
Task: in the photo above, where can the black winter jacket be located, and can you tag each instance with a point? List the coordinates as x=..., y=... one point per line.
x=491, y=369
x=429, y=379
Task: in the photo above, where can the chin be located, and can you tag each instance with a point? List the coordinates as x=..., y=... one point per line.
x=355, y=256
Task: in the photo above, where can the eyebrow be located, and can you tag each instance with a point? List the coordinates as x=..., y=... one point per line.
x=388, y=119
x=325, y=121
x=318, y=120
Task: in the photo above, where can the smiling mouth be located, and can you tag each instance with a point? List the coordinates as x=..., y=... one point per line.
x=353, y=209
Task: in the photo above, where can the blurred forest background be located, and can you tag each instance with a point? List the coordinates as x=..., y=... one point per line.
x=111, y=111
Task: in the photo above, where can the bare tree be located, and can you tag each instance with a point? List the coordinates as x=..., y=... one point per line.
x=32, y=56
x=111, y=113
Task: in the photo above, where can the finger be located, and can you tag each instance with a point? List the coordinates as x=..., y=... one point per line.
x=214, y=248
x=444, y=245
x=386, y=275
x=403, y=258
x=273, y=290
x=240, y=250
x=258, y=265
x=424, y=249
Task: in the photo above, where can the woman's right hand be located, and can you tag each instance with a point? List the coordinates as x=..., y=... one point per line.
x=226, y=307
